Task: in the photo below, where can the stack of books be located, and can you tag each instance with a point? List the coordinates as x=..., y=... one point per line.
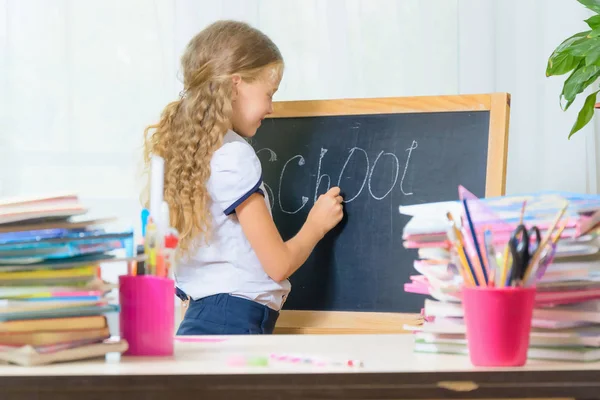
x=53, y=301
x=566, y=322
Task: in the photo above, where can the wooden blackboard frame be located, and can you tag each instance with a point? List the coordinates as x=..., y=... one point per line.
x=498, y=105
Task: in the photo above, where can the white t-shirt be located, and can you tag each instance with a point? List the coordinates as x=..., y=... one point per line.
x=228, y=264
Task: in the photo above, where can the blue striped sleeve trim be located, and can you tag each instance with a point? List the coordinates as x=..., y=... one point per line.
x=231, y=209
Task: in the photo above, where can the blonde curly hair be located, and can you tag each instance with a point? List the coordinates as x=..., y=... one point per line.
x=192, y=128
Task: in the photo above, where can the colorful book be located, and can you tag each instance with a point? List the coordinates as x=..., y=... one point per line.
x=43, y=338
x=54, y=324
x=58, y=313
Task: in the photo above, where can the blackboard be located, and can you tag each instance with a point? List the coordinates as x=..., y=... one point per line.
x=380, y=160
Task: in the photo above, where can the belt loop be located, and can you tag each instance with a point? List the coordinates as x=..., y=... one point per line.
x=185, y=304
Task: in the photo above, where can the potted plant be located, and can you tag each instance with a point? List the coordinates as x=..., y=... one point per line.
x=579, y=55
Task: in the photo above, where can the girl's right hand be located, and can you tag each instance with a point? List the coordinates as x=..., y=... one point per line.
x=327, y=212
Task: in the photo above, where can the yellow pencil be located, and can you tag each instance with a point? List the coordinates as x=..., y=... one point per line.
x=554, y=240
x=504, y=267
x=461, y=251
x=465, y=268
x=461, y=270
x=559, y=232
x=461, y=267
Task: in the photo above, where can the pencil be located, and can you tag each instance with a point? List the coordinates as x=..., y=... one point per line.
x=461, y=263
x=504, y=267
x=559, y=232
x=539, y=270
x=522, y=212
x=461, y=252
x=461, y=268
x=463, y=259
x=544, y=242
x=471, y=227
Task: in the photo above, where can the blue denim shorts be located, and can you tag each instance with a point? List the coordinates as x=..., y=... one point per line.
x=223, y=314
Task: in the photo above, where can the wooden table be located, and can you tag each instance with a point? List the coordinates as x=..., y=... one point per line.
x=200, y=370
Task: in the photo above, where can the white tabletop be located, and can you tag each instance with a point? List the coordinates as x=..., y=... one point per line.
x=212, y=355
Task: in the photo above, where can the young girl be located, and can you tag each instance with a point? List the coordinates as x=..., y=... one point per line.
x=233, y=266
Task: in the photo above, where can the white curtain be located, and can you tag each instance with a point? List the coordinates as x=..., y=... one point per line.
x=81, y=78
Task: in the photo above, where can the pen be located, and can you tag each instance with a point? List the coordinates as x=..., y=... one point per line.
x=144, y=216
x=505, y=264
x=171, y=241
x=475, y=243
x=150, y=246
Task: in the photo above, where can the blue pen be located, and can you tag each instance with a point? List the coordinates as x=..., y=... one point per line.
x=475, y=242
x=145, y=215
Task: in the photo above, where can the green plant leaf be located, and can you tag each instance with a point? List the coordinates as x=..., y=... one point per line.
x=561, y=64
x=594, y=33
x=578, y=81
x=593, y=56
x=593, y=22
x=561, y=61
x=581, y=47
x=591, y=79
x=593, y=5
x=585, y=114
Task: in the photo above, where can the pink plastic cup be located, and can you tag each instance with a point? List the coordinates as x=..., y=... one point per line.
x=498, y=322
x=147, y=317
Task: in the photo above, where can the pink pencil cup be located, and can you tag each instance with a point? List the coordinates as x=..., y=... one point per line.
x=147, y=317
x=498, y=322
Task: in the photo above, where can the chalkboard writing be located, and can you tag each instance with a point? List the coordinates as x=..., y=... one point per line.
x=380, y=162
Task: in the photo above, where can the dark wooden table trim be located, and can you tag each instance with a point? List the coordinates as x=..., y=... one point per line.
x=381, y=386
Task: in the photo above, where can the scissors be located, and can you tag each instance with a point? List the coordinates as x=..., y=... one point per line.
x=521, y=250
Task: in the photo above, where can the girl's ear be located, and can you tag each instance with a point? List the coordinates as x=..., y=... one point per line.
x=236, y=79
